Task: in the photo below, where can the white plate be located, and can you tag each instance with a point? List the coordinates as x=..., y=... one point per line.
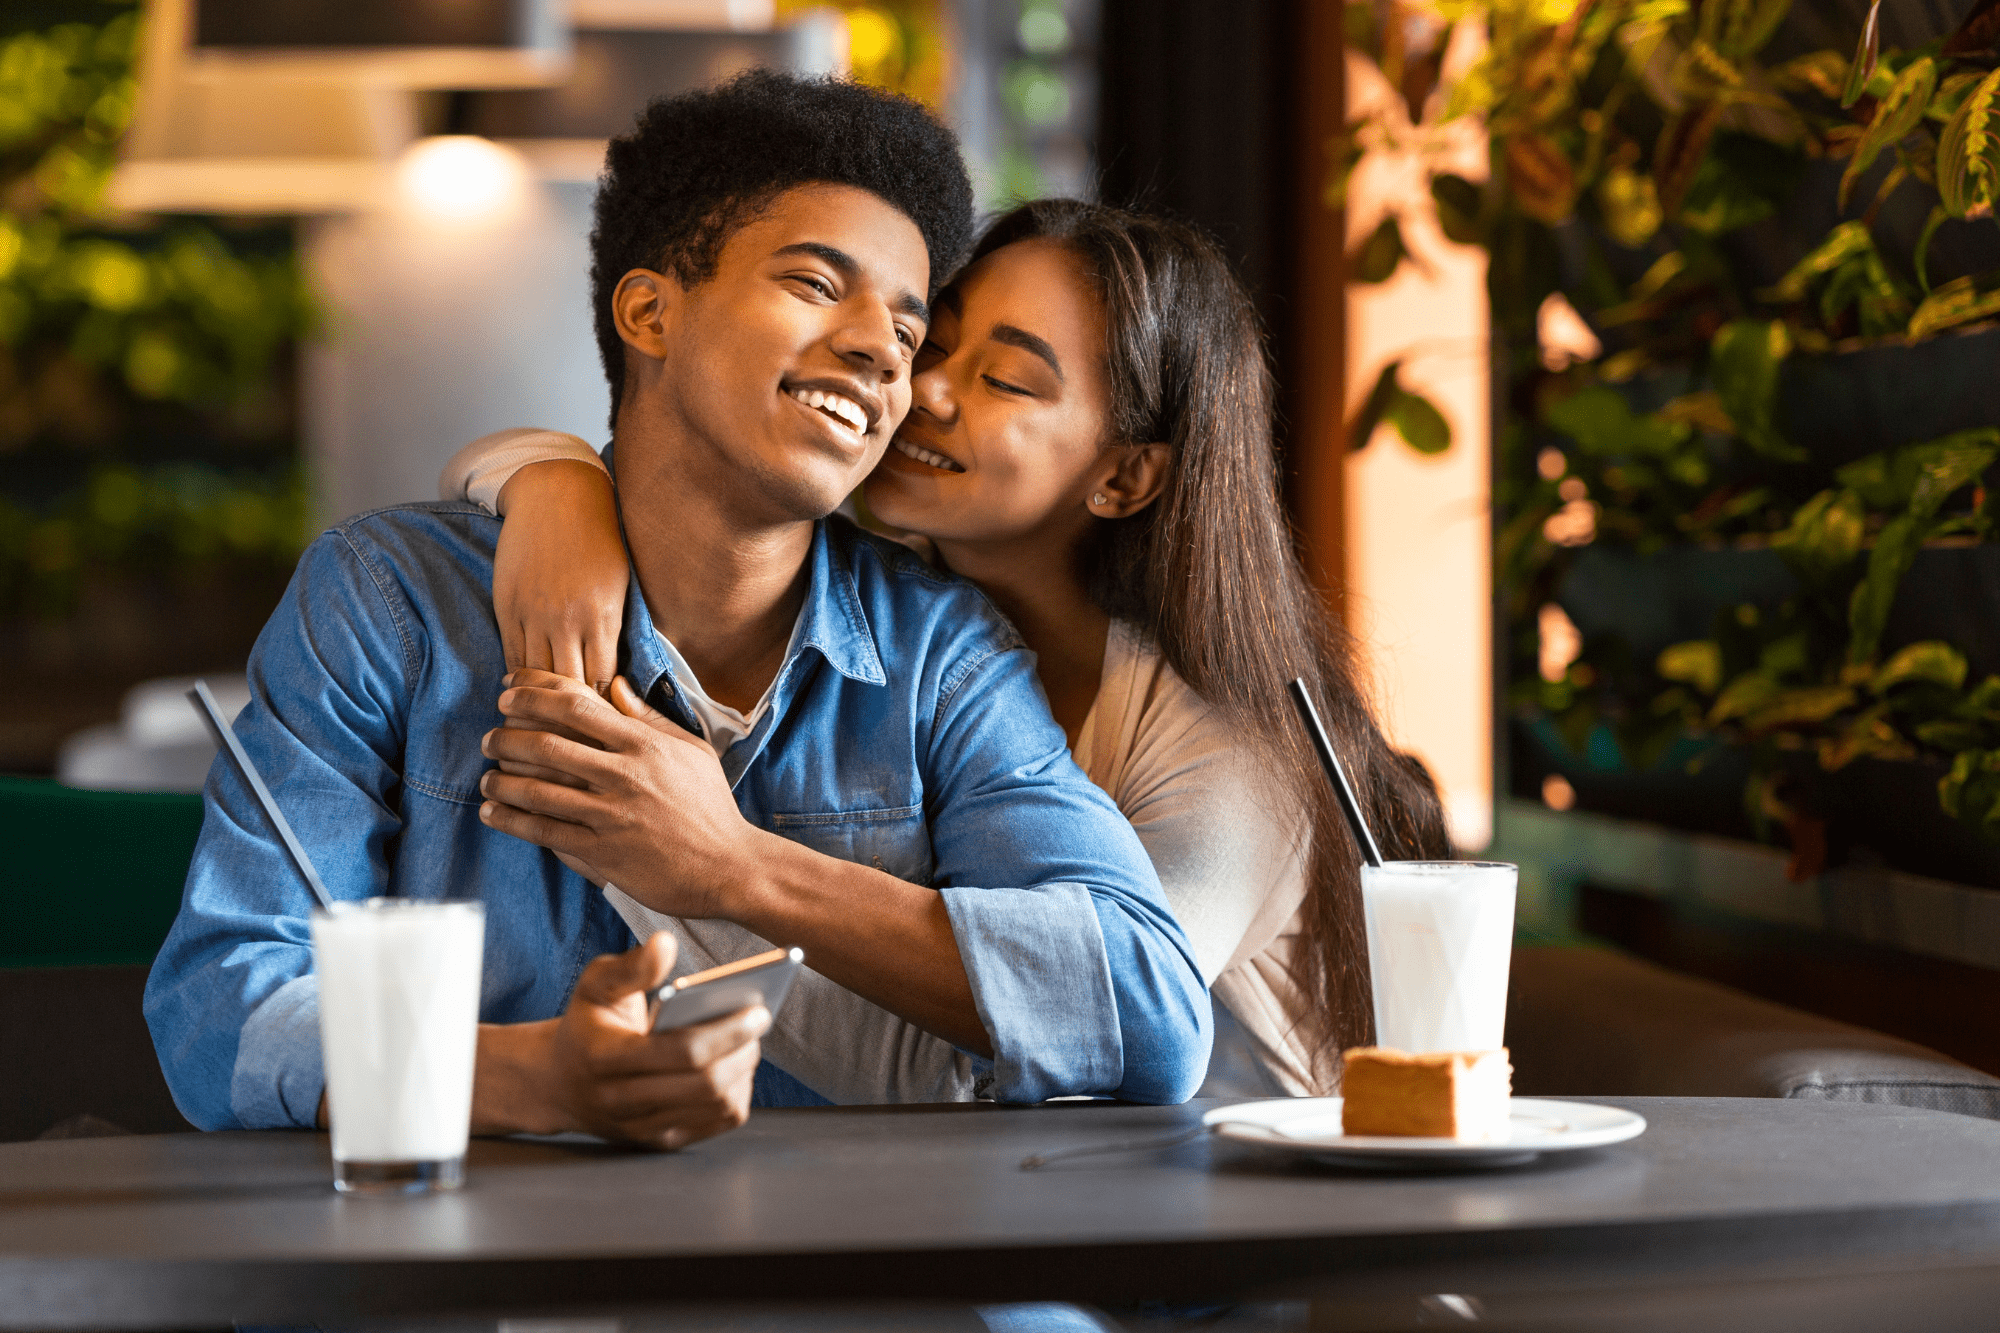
x=1311, y=1125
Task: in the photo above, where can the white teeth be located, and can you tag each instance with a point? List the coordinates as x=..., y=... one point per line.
x=923, y=455
x=842, y=409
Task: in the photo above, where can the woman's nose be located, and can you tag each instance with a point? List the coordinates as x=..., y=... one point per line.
x=930, y=393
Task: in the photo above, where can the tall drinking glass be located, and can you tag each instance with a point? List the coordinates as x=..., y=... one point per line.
x=398, y=1022
x=1440, y=935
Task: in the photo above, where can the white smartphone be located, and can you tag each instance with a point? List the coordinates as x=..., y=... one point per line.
x=764, y=978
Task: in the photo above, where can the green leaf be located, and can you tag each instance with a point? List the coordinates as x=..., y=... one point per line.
x=1825, y=535
x=1983, y=700
x=1698, y=663
x=1960, y=301
x=1814, y=703
x=1419, y=422
x=1361, y=429
x=1458, y=206
x=1601, y=422
x=1949, y=734
x=1895, y=551
x=1968, y=152
x=1749, y=691
x=1841, y=244
x=1943, y=466
x=1862, y=68
x=1784, y=657
x=1932, y=660
x=1744, y=360
x=1883, y=481
x=1895, y=116
x=1379, y=256
x=1748, y=24
x=1931, y=224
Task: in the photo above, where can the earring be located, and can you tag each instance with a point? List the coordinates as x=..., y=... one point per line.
x=1098, y=498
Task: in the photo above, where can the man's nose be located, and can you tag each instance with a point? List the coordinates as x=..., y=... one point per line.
x=869, y=338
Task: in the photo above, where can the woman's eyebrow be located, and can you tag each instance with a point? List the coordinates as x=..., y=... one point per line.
x=1028, y=342
x=849, y=267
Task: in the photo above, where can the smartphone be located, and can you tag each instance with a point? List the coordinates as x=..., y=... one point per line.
x=764, y=978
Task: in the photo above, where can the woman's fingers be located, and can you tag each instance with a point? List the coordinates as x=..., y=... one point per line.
x=567, y=652
x=513, y=643
x=600, y=653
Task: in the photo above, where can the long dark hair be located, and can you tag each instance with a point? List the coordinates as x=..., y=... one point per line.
x=1209, y=570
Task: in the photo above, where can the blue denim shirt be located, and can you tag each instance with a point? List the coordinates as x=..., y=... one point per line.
x=907, y=731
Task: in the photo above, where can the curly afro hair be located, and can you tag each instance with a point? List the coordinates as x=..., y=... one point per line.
x=698, y=166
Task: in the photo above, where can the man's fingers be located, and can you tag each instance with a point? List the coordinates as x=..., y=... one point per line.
x=689, y=1090
x=522, y=769
x=541, y=798
x=578, y=710
x=546, y=749
x=611, y=977
x=553, y=834
x=627, y=701
x=705, y=1043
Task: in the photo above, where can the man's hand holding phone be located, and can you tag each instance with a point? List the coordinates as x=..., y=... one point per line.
x=601, y=1068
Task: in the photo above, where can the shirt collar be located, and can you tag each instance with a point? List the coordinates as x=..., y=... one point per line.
x=832, y=622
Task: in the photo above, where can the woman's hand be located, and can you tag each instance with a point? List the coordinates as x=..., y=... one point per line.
x=560, y=573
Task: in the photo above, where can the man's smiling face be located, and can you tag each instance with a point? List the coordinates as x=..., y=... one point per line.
x=780, y=380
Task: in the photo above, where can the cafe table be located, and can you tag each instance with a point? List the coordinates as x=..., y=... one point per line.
x=930, y=1204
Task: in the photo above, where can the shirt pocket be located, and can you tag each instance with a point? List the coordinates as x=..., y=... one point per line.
x=897, y=841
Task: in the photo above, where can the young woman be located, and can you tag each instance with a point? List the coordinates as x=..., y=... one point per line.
x=1089, y=441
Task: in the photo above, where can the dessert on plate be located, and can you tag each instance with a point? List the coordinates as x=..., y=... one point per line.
x=1460, y=1095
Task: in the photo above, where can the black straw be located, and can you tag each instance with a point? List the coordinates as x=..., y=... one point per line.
x=1335, y=774
x=225, y=741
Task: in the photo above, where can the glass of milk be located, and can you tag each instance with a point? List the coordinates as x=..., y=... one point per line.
x=1440, y=935
x=398, y=1024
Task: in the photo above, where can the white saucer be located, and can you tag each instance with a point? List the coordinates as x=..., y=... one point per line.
x=1311, y=1126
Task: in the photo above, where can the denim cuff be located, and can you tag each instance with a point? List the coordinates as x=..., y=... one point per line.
x=1042, y=985
x=279, y=1077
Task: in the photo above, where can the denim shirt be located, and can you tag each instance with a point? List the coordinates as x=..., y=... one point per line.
x=907, y=732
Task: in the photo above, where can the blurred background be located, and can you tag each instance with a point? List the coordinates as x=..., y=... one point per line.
x=262, y=267
x=1637, y=365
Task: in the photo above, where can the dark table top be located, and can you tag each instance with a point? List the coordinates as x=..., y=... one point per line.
x=929, y=1203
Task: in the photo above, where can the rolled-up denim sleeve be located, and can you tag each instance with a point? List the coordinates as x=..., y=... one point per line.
x=1083, y=979
x=231, y=1000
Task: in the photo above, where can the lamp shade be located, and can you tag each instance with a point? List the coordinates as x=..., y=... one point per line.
x=396, y=43
x=251, y=144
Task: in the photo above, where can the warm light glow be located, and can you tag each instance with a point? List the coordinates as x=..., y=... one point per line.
x=1557, y=794
x=1565, y=339
x=461, y=178
x=1560, y=643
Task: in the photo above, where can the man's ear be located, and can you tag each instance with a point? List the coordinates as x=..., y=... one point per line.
x=1138, y=476
x=641, y=305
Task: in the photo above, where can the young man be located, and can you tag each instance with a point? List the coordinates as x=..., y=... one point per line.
x=901, y=805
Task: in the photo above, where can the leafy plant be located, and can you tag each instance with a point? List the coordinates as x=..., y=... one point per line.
x=131, y=352
x=1636, y=147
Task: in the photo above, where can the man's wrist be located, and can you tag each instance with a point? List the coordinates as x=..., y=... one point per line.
x=514, y=1080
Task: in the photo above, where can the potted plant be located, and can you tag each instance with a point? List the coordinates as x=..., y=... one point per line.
x=1745, y=544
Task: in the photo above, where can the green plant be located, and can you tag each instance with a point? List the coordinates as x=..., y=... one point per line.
x=1637, y=150
x=128, y=349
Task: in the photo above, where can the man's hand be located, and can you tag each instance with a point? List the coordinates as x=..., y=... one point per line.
x=617, y=786
x=600, y=1069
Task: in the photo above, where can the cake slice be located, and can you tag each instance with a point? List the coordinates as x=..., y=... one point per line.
x=1443, y=1095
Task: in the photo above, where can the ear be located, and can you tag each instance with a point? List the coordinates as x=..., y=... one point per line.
x=641, y=306
x=1136, y=476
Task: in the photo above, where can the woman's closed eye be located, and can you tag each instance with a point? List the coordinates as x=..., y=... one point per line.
x=1004, y=387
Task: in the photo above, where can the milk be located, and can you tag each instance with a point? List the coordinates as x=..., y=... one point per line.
x=1440, y=934
x=398, y=1017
